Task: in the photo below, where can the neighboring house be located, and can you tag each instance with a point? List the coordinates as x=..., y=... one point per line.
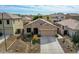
x=12, y=24
x=40, y=26
x=68, y=27
x=57, y=17
x=26, y=19
x=72, y=16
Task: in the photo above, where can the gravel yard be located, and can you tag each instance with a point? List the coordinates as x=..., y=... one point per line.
x=67, y=45
x=8, y=41
x=24, y=47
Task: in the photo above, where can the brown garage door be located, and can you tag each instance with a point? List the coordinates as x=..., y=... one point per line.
x=47, y=32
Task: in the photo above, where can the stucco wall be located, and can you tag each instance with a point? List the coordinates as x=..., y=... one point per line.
x=7, y=27
x=5, y=24
x=17, y=24
x=70, y=31
x=42, y=26
x=11, y=28
x=8, y=31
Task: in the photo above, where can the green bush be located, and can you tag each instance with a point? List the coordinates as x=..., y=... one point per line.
x=33, y=41
x=29, y=35
x=36, y=41
x=36, y=17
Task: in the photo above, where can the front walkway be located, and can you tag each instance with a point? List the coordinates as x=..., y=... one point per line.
x=50, y=45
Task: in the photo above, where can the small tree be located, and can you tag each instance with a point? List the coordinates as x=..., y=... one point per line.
x=40, y=16
x=36, y=17
x=47, y=17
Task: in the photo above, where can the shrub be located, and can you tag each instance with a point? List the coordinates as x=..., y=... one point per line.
x=39, y=35
x=29, y=35
x=35, y=39
x=56, y=35
x=36, y=17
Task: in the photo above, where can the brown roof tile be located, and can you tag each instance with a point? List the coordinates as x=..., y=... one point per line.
x=8, y=16
x=70, y=23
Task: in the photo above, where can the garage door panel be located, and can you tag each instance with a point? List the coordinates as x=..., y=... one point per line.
x=47, y=32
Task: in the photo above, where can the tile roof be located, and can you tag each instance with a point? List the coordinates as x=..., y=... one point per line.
x=73, y=14
x=57, y=15
x=27, y=18
x=8, y=16
x=41, y=21
x=70, y=23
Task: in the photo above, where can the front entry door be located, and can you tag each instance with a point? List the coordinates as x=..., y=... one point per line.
x=35, y=30
x=65, y=32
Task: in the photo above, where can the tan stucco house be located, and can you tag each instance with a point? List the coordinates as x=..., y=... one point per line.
x=68, y=27
x=40, y=26
x=11, y=23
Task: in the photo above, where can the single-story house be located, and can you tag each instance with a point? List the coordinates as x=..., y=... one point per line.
x=68, y=27
x=40, y=26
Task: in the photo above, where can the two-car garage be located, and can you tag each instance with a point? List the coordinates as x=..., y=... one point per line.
x=47, y=32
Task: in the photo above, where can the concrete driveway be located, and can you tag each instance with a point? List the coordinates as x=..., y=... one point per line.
x=50, y=45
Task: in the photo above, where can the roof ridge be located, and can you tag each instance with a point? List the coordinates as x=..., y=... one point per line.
x=42, y=20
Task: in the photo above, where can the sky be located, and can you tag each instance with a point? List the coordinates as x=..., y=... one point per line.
x=39, y=2
x=42, y=9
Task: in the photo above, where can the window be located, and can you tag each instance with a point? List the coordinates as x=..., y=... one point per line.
x=63, y=27
x=35, y=31
x=28, y=29
x=8, y=22
x=18, y=31
x=1, y=33
x=0, y=21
